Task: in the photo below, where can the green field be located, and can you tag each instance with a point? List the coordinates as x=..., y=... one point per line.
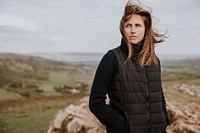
x=33, y=116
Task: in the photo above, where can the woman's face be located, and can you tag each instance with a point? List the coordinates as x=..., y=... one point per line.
x=134, y=29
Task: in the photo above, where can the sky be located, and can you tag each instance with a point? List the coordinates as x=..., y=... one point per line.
x=65, y=26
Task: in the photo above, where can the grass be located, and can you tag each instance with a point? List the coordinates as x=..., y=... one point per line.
x=35, y=117
x=4, y=95
x=55, y=79
x=71, y=74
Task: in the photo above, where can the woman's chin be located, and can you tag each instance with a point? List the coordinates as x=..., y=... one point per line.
x=134, y=42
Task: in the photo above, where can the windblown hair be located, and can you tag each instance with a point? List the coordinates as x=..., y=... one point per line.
x=147, y=56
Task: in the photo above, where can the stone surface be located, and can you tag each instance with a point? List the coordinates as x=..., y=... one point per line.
x=188, y=89
x=183, y=119
x=76, y=119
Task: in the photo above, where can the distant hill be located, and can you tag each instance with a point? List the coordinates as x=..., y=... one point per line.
x=80, y=57
x=15, y=67
x=176, y=57
x=70, y=57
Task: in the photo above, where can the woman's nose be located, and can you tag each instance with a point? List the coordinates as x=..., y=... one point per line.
x=132, y=30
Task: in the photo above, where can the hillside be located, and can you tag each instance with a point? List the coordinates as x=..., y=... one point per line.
x=24, y=75
x=34, y=87
x=14, y=67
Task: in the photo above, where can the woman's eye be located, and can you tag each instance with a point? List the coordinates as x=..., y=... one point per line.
x=128, y=25
x=138, y=25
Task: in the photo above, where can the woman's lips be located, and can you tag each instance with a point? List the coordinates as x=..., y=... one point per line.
x=133, y=37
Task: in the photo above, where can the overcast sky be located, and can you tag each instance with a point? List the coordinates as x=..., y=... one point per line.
x=29, y=26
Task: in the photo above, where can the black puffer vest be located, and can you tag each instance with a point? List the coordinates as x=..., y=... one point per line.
x=136, y=93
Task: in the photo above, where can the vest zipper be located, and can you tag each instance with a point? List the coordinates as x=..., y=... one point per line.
x=148, y=101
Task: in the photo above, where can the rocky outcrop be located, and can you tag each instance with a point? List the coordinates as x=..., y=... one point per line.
x=191, y=90
x=76, y=119
x=183, y=119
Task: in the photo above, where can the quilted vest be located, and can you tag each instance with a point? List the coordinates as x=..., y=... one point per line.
x=136, y=93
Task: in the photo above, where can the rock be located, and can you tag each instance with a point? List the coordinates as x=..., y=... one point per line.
x=182, y=119
x=188, y=89
x=76, y=119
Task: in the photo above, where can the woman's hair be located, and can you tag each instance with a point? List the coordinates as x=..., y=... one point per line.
x=147, y=56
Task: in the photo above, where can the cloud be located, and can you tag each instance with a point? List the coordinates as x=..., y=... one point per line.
x=16, y=22
x=173, y=5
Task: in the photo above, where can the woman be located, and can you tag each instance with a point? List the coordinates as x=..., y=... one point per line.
x=130, y=74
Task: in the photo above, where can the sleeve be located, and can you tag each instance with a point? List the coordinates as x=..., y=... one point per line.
x=105, y=113
x=164, y=101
